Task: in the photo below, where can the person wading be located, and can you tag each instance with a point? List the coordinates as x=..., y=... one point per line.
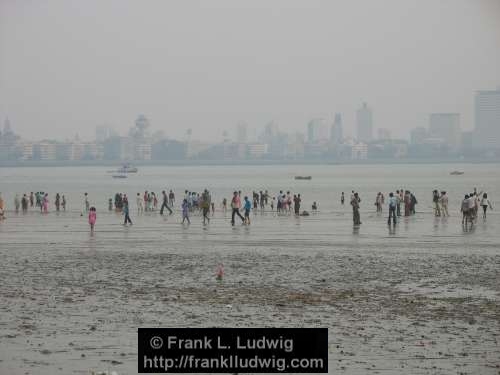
x=165, y=203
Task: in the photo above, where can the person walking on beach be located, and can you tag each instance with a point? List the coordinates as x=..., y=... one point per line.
x=86, y=202
x=392, y=209
x=224, y=205
x=407, y=202
x=164, y=204
x=57, y=202
x=413, y=202
x=342, y=199
x=235, y=206
x=247, y=207
x=45, y=203
x=2, y=208
x=92, y=218
x=472, y=207
x=139, y=204
x=205, y=205
x=17, y=203
x=126, y=213
x=355, y=209
x=185, y=211
x=443, y=201
x=435, y=201
x=485, y=203
x=464, y=208
x=38, y=203
x=63, y=202
x=32, y=199
x=378, y=202
x=171, y=198
x=296, y=204
x=398, y=203
x=24, y=203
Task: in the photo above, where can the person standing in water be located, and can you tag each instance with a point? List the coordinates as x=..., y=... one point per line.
x=342, y=199
x=235, y=206
x=165, y=205
x=185, y=211
x=32, y=199
x=355, y=209
x=485, y=203
x=63, y=203
x=392, y=209
x=92, y=218
x=126, y=212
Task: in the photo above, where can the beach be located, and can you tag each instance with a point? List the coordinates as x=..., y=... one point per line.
x=423, y=298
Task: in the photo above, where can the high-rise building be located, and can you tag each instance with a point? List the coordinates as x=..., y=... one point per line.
x=336, y=131
x=317, y=130
x=487, y=119
x=364, y=123
x=241, y=132
x=446, y=126
x=418, y=135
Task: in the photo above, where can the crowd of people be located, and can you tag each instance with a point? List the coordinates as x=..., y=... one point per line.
x=470, y=207
x=400, y=203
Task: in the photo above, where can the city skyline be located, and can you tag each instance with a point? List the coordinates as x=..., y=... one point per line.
x=206, y=66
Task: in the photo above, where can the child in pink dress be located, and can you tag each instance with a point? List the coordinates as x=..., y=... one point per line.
x=92, y=218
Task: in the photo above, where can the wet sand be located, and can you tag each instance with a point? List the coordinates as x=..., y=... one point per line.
x=423, y=299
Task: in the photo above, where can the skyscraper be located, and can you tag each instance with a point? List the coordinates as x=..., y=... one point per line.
x=446, y=126
x=317, y=131
x=336, y=131
x=241, y=132
x=364, y=123
x=487, y=119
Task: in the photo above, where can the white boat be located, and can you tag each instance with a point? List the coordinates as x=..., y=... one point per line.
x=126, y=168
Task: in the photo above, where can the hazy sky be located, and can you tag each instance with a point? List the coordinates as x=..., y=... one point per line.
x=67, y=66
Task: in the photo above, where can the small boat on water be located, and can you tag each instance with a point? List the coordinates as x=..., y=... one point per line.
x=119, y=176
x=303, y=177
x=456, y=173
x=127, y=168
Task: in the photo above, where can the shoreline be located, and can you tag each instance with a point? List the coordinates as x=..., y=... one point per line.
x=190, y=163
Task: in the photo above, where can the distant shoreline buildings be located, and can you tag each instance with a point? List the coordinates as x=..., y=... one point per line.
x=442, y=138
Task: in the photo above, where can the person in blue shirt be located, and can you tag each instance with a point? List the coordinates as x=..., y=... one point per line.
x=126, y=213
x=393, y=203
x=247, y=207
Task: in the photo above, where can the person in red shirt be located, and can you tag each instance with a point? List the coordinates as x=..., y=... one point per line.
x=236, y=205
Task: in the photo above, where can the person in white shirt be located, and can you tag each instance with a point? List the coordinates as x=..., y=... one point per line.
x=485, y=203
x=443, y=199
